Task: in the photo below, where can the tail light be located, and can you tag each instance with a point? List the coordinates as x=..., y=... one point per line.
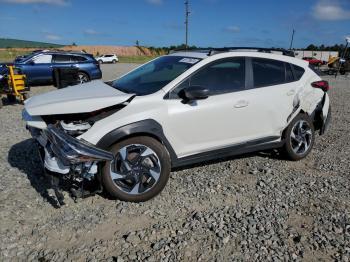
x=322, y=85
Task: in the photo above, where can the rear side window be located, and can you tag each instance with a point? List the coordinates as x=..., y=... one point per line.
x=298, y=72
x=61, y=59
x=78, y=59
x=268, y=72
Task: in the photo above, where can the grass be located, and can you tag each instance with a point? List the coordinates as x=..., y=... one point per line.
x=135, y=59
x=16, y=43
x=9, y=55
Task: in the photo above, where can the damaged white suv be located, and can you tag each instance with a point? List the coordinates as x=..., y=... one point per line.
x=183, y=108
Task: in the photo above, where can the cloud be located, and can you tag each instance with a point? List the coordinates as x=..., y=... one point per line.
x=91, y=32
x=232, y=29
x=48, y=2
x=53, y=37
x=155, y=2
x=330, y=11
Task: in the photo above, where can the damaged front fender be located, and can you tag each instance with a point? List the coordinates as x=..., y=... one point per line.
x=70, y=150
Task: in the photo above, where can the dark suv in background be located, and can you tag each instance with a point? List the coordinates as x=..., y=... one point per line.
x=39, y=66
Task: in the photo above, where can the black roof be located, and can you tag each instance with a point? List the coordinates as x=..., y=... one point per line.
x=60, y=52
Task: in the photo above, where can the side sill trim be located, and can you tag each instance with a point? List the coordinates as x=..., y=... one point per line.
x=251, y=146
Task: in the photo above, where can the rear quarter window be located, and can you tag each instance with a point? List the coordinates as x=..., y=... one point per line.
x=298, y=72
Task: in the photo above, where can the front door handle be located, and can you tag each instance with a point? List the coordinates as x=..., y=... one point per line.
x=241, y=103
x=290, y=92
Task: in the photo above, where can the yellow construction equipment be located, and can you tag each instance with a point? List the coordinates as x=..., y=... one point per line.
x=13, y=85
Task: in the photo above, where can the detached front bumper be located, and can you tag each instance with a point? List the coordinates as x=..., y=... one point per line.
x=70, y=150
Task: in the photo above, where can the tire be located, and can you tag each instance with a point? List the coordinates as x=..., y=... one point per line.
x=11, y=98
x=100, y=61
x=26, y=96
x=295, y=137
x=130, y=163
x=114, y=61
x=83, y=77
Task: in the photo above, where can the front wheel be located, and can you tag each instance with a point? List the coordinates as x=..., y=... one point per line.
x=299, y=138
x=11, y=98
x=139, y=171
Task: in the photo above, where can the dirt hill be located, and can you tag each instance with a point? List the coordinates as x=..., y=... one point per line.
x=119, y=50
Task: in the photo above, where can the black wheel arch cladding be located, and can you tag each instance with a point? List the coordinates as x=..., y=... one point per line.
x=148, y=127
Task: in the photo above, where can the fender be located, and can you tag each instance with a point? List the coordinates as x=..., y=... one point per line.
x=145, y=127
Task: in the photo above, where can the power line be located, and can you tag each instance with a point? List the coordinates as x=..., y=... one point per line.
x=187, y=12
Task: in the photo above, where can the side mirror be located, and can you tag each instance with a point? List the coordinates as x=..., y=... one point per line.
x=195, y=93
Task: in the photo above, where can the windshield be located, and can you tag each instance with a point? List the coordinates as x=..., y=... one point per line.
x=154, y=75
x=24, y=59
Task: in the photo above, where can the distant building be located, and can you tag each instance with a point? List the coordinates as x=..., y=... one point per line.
x=322, y=55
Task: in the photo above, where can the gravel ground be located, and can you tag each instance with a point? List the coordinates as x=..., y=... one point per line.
x=255, y=207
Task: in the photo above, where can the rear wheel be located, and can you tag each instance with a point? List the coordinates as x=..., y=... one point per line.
x=114, y=61
x=83, y=78
x=100, y=61
x=140, y=170
x=300, y=137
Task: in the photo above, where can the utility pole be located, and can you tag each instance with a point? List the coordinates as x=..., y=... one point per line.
x=187, y=12
x=291, y=41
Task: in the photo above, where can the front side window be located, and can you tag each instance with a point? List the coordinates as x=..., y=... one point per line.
x=220, y=77
x=268, y=72
x=43, y=59
x=153, y=76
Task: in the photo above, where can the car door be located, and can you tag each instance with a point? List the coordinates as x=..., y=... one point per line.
x=219, y=121
x=109, y=58
x=62, y=61
x=272, y=96
x=38, y=69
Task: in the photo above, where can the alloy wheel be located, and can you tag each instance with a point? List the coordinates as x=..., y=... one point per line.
x=83, y=78
x=301, y=137
x=136, y=169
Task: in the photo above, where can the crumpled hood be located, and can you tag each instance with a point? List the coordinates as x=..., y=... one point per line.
x=76, y=99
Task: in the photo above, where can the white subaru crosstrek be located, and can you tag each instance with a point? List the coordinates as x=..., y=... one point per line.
x=107, y=59
x=183, y=108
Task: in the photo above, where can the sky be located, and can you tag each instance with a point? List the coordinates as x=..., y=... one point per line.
x=263, y=23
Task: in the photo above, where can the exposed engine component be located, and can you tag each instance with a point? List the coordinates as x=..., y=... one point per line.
x=54, y=165
x=87, y=170
x=75, y=128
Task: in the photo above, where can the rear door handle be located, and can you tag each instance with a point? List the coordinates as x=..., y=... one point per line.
x=290, y=92
x=241, y=103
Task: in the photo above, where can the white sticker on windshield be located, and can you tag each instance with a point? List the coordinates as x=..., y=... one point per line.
x=189, y=60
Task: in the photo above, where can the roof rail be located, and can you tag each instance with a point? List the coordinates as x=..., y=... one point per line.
x=212, y=51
